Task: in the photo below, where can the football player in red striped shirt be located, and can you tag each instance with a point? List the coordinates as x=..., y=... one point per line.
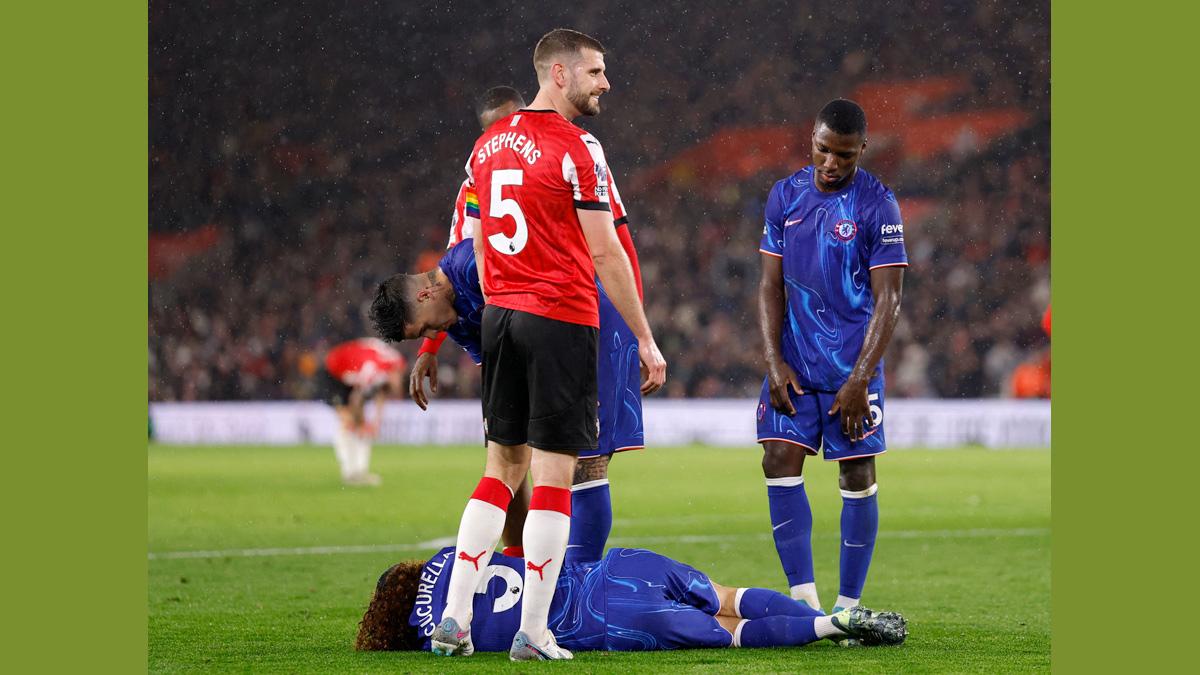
x=544, y=235
x=356, y=371
x=620, y=410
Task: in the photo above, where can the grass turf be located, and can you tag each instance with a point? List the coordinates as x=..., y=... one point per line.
x=963, y=552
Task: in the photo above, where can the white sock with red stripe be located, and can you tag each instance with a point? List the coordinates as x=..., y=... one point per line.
x=353, y=452
x=547, y=528
x=362, y=453
x=342, y=450
x=481, y=525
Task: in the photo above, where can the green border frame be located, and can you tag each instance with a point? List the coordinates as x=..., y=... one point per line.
x=75, y=272
x=1123, y=512
x=75, y=172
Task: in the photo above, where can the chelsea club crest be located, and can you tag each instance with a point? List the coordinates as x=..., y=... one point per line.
x=844, y=230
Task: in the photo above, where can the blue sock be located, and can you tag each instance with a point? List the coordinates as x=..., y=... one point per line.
x=758, y=603
x=791, y=524
x=860, y=523
x=591, y=521
x=777, y=631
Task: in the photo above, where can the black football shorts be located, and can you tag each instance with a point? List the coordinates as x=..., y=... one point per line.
x=539, y=381
x=333, y=391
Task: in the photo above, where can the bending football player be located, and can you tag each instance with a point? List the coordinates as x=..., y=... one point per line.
x=356, y=372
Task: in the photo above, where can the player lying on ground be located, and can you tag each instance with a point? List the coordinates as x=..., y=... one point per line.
x=632, y=600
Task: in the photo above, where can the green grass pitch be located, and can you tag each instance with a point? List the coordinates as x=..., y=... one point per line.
x=283, y=557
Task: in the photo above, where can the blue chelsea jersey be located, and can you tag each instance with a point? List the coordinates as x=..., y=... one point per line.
x=459, y=266
x=576, y=614
x=829, y=243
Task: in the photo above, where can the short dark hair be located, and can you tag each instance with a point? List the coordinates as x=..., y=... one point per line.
x=495, y=97
x=562, y=41
x=844, y=117
x=384, y=626
x=390, y=311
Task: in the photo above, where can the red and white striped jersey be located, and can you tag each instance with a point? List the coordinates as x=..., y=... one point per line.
x=530, y=172
x=459, y=227
x=363, y=363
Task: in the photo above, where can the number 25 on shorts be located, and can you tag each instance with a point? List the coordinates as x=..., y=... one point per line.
x=876, y=411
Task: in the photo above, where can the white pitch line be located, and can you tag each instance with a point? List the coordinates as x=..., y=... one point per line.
x=893, y=534
x=310, y=550
x=441, y=542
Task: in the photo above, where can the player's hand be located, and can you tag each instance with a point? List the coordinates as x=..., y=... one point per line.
x=779, y=377
x=425, y=366
x=851, y=401
x=654, y=366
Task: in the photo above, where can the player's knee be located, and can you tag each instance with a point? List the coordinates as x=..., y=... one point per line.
x=552, y=469
x=590, y=469
x=856, y=474
x=781, y=460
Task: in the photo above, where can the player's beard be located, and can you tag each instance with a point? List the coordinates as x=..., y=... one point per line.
x=582, y=100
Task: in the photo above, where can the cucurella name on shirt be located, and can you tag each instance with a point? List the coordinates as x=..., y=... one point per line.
x=518, y=143
x=423, y=608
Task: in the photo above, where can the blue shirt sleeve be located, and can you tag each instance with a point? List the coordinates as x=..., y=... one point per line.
x=459, y=266
x=885, y=234
x=772, y=236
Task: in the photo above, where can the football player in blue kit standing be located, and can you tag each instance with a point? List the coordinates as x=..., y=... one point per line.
x=833, y=264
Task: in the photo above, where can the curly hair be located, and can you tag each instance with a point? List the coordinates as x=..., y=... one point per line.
x=384, y=626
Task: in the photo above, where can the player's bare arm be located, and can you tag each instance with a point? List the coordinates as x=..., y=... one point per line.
x=373, y=426
x=615, y=272
x=887, y=285
x=425, y=366
x=355, y=406
x=771, y=305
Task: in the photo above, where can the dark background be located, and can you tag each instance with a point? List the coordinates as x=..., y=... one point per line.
x=301, y=152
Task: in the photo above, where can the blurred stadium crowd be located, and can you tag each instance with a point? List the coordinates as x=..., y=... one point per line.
x=300, y=153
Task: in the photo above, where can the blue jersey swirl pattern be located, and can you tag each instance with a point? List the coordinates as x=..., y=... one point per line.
x=632, y=600
x=459, y=267
x=829, y=243
x=619, y=376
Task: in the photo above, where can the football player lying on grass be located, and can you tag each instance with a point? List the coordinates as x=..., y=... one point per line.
x=632, y=600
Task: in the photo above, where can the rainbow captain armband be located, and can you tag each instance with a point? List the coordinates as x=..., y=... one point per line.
x=471, y=209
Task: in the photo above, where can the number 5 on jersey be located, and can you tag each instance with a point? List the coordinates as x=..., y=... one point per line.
x=501, y=207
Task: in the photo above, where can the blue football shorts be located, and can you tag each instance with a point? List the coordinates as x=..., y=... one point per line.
x=619, y=381
x=812, y=428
